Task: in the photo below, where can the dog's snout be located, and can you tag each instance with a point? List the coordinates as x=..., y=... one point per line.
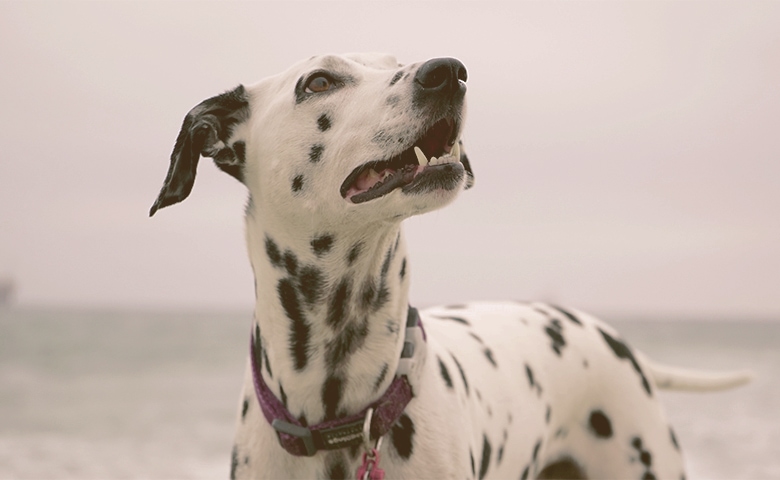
x=441, y=75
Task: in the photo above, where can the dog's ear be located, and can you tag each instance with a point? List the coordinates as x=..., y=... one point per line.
x=464, y=159
x=205, y=131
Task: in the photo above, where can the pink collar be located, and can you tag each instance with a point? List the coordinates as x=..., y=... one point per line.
x=343, y=432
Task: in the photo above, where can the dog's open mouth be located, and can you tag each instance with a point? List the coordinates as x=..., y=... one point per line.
x=434, y=153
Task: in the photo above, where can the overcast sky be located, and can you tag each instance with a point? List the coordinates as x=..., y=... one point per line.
x=627, y=154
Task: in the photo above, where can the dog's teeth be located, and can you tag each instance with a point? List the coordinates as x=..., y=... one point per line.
x=433, y=161
x=420, y=156
x=456, y=152
x=372, y=175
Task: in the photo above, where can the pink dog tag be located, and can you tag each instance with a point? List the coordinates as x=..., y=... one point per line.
x=370, y=470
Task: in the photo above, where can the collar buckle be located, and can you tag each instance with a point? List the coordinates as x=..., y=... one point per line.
x=294, y=430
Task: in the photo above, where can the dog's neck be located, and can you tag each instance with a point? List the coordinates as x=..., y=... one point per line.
x=331, y=308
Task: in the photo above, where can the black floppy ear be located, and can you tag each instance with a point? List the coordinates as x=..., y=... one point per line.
x=205, y=131
x=464, y=159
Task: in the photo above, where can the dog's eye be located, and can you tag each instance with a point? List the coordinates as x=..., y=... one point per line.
x=318, y=84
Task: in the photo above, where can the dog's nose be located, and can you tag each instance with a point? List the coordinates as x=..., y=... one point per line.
x=441, y=75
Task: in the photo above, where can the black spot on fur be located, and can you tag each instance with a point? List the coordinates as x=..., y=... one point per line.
x=368, y=293
x=354, y=450
x=382, y=296
x=297, y=183
x=471, y=457
x=564, y=468
x=622, y=351
x=646, y=458
x=648, y=476
x=258, y=347
x=244, y=408
x=386, y=263
x=383, y=293
x=240, y=149
x=499, y=455
x=570, y=316
x=554, y=330
x=462, y=373
x=547, y=415
x=350, y=339
x=402, y=435
x=485, y=463
x=337, y=471
x=457, y=319
x=445, y=374
x=291, y=263
x=530, y=374
x=233, y=462
x=315, y=153
x=402, y=273
x=636, y=442
x=524, y=475
x=489, y=355
x=267, y=364
x=310, y=284
x=299, y=328
x=477, y=337
x=381, y=377
x=600, y=424
x=331, y=396
x=354, y=252
x=395, y=78
x=273, y=252
x=322, y=244
x=282, y=395
x=536, y=449
x=674, y=439
x=337, y=308
x=323, y=123
x=392, y=100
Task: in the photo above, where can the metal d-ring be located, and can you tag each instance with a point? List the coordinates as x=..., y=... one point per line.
x=367, y=429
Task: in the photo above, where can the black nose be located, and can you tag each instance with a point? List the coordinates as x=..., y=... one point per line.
x=441, y=75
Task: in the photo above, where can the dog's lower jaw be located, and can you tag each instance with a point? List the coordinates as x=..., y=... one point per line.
x=330, y=311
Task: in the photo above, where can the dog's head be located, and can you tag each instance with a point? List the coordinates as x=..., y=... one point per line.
x=338, y=137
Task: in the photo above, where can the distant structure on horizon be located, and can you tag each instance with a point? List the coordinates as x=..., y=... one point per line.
x=7, y=288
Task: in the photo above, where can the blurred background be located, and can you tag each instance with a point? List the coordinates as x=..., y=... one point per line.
x=627, y=162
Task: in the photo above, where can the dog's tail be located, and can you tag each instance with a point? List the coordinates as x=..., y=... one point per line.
x=675, y=378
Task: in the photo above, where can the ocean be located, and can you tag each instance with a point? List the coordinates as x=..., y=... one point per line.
x=129, y=394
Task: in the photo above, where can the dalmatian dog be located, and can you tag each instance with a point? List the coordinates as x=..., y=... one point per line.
x=345, y=378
